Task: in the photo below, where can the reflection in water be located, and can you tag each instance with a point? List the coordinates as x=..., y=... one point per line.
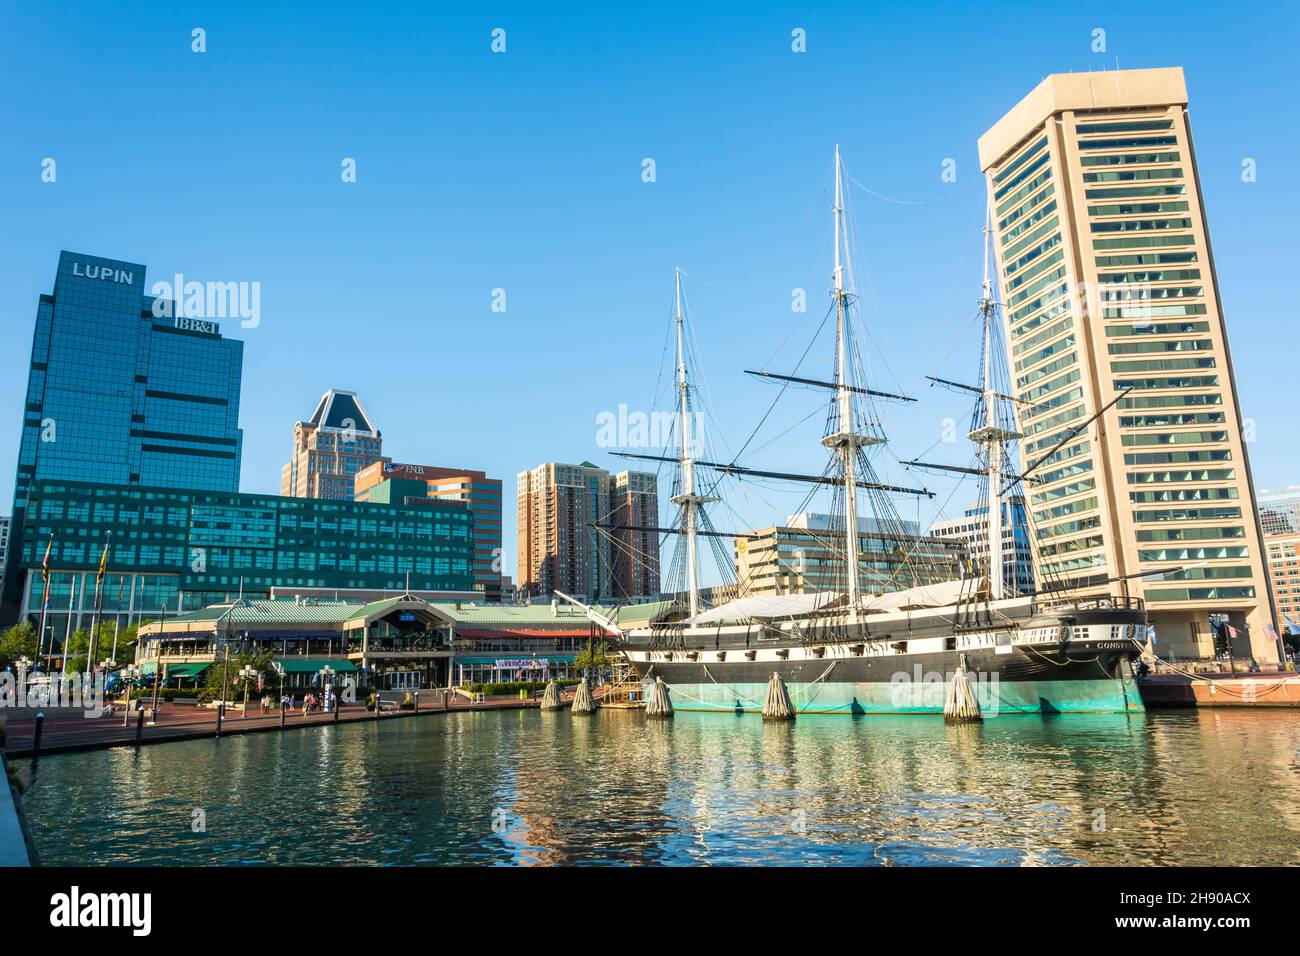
x=531, y=788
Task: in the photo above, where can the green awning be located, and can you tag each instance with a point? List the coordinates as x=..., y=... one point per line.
x=185, y=670
x=293, y=666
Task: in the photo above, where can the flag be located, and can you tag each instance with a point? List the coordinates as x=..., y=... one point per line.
x=261, y=681
x=1151, y=633
x=103, y=566
x=1232, y=632
x=45, y=564
x=1291, y=625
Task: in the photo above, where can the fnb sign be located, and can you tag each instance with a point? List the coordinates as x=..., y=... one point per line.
x=396, y=469
x=86, y=271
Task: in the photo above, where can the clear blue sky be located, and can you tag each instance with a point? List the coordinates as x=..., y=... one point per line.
x=522, y=171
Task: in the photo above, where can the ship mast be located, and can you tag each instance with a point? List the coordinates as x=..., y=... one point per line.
x=687, y=500
x=845, y=442
x=991, y=435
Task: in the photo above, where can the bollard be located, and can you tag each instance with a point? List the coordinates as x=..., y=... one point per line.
x=139, y=725
x=446, y=700
x=377, y=701
x=283, y=710
x=416, y=698
x=36, y=736
x=221, y=710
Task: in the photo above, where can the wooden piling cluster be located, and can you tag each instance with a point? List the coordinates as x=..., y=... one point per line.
x=960, y=704
x=658, y=704
x=551, y=699
x=583, y=702
x=777, y=706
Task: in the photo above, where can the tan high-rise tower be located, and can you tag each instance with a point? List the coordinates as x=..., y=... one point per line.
x=1107, y=283
x=329, y=449
x=559, y=550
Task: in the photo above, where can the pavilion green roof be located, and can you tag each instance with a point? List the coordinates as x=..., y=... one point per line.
x=281, y=611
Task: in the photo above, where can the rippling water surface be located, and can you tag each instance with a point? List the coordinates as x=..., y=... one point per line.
x=523, y=787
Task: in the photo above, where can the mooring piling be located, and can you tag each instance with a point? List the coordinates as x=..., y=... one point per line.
x=777, y=705
x=960, y=705
x=583, y=702
x=658, y=703
x=551, y=699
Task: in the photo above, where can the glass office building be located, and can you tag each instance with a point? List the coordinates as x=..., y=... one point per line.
x=176, y=550
x=121, y=391
x=1279, y=511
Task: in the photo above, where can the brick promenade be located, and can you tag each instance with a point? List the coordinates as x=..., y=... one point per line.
x=65, y=730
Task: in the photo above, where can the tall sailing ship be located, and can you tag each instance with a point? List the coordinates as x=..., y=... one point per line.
x=880, y=646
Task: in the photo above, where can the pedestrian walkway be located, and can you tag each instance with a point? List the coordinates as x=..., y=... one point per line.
x=71, y=730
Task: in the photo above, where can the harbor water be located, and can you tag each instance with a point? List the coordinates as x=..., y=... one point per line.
x=525, y=787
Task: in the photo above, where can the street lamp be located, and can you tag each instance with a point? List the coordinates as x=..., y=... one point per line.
x=131, y=676
x=106, y=667
x=326, y=676
x=247, y=674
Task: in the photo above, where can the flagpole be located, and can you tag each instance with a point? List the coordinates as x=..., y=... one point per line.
x=99, y=597
x=117, y=614
x=45, y=605
x=67, y=633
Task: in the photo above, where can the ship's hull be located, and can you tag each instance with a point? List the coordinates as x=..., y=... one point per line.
x=1014, y=684
x=1018, y=661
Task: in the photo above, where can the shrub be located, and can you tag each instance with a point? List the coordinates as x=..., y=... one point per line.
x=170, y=693
x=512, y=688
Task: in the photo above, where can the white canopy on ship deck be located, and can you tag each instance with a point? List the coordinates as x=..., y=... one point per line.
x=924, y=595
x=779, y=606
x=768, y=607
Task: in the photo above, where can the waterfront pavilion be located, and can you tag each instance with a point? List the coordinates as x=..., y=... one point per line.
x=398, y=643
x=531, y=642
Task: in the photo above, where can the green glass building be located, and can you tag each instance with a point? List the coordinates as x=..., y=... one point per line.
x=174, y=550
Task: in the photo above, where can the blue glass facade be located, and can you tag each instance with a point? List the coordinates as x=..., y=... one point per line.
x=174, y=550
x=120, y=393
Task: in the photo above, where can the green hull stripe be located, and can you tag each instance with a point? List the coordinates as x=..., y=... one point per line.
x=1102, y=696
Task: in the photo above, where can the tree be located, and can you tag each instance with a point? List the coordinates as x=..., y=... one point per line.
x=224, y=676
x=18, y=641
x=592, y=660
x=77, y=646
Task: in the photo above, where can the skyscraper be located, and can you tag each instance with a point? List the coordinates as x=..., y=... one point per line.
x=120, y=391
x=330, y=448
x=1108, y=285
x=634, y=535
x=559, y=546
